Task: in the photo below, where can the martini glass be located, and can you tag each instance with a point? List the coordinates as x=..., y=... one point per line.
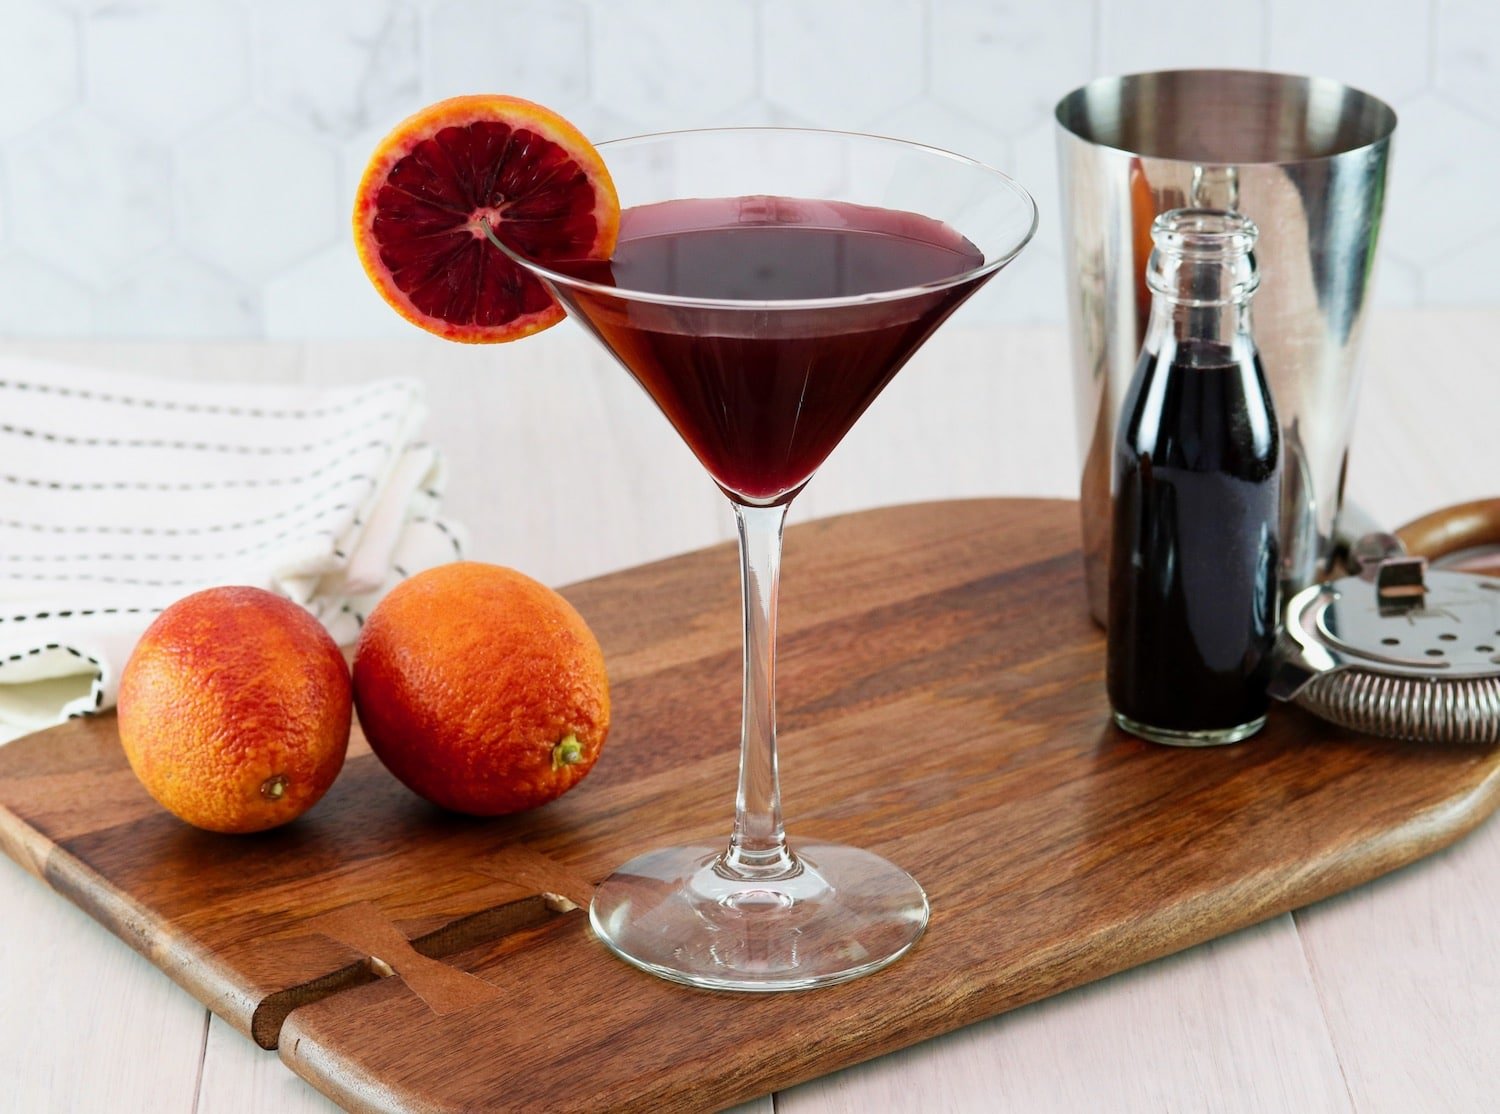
x=767, y=284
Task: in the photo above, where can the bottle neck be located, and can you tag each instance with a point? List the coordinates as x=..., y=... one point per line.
x=1223, y=323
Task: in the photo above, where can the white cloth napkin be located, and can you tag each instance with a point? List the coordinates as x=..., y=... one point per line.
x=120, y=494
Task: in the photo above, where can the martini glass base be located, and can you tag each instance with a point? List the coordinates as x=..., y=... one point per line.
x=834, y=914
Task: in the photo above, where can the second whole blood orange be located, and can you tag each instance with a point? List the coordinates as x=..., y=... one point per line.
x=481, y=689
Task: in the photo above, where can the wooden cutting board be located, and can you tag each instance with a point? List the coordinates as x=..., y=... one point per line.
x=942, y=702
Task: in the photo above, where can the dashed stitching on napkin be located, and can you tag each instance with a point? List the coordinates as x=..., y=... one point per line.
x=90, y=578
x=179, y=557
x=186, y=531
x=49, y=646
x=219, y=528
x=33, y=653
x=205, y=407
x=209, y=485
x=193, y=446
x=96, y=687
x=458, y=550
x=83, y=612
x=221, y=556
x=152, y=531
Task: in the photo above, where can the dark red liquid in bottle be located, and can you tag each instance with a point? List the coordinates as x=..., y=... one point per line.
x=1194, y=562
x=762, y=393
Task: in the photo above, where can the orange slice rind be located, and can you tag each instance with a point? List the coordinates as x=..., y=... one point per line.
x=433, y=182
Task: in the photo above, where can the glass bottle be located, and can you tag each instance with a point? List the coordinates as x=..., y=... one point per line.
x=1196, y=494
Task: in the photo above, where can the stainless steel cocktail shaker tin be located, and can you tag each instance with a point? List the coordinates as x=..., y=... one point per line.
x=1306, y=159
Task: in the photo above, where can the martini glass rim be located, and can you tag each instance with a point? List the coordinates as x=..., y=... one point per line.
x=989, y=266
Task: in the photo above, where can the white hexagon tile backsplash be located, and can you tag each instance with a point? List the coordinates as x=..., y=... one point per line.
x=842, y=63
x=184, y=167
x=132, y=77
x=87, y=197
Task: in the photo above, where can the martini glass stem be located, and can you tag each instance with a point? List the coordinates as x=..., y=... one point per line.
x=757, y=848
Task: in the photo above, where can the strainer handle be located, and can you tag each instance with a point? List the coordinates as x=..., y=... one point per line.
x=1454, y=532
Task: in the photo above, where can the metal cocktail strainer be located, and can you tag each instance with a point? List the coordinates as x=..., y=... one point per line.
x=1400, y=649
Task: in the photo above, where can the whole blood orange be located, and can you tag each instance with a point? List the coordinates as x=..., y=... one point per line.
x=441, y=175
x=481, y=689
x=234, y=710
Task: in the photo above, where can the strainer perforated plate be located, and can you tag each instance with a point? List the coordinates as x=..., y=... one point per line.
x=1421, y=665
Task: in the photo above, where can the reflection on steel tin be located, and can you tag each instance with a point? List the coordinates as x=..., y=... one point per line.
x=1305, y=158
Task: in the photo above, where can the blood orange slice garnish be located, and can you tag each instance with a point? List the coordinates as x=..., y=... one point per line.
x=431, y=185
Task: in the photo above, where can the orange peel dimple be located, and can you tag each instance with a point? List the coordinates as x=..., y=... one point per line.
x=483, y=158
x=569, y=752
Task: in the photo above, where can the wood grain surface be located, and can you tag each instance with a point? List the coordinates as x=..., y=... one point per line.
x=941, y=703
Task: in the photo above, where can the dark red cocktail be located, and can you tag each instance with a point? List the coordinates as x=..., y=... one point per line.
x=763, y=397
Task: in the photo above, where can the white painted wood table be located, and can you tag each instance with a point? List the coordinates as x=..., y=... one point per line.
x=1384, y=999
